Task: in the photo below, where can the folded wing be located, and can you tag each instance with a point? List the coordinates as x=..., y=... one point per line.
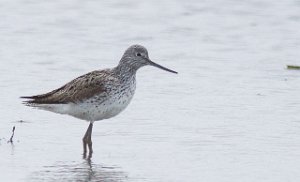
x=77, y=90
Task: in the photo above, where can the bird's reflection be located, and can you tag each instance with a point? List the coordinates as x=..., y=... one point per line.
x=85, y=171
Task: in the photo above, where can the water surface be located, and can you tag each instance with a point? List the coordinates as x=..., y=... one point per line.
x=231, y=114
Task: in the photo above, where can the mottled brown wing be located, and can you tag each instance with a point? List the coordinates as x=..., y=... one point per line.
x=81, y=88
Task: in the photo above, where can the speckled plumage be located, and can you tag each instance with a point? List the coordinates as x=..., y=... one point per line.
x=94, y=96
x=97, y=95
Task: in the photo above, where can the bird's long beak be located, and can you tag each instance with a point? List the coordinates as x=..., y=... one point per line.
x=159, y=66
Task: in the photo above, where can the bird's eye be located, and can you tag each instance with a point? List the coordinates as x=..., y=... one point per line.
x=138, y=54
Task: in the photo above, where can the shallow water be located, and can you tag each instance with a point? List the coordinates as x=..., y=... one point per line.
x=231, y=114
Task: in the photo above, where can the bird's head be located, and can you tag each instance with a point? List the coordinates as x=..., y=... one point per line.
x=136, y=56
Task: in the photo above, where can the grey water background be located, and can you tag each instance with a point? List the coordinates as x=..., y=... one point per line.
x=231, y=114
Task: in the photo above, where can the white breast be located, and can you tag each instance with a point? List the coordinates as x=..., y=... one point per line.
x=93, y=110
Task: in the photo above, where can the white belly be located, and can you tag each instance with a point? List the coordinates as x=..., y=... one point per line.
x=97, y=107
x=93, y=111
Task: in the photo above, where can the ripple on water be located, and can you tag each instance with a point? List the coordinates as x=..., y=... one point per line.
x=74, y=171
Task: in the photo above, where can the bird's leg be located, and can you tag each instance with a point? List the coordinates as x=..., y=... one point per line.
x=87, y=140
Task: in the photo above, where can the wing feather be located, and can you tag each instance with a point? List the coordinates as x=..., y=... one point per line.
x=81, y=88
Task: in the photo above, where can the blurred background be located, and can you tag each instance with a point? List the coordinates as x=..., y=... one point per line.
x=231, y=114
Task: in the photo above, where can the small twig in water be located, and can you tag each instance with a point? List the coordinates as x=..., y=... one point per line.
x=293, y=67
x=12, y=136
